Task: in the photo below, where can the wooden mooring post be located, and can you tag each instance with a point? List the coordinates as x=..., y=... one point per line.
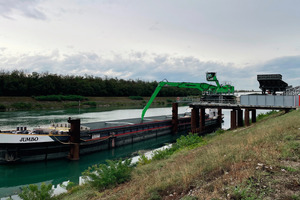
x=174, y=118
x=233, y=119
x=195, y=120
x=74, y=139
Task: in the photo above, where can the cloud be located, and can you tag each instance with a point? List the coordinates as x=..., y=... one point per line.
x=28, y=8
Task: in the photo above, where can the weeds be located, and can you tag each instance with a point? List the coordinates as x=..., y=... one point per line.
x=190, y=141
x=264, y=115
x=106, y=175
x=251, y=190
x=143, y=160
x=32, y=192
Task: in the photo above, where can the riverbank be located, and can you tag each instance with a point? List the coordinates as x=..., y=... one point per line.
x=29, y=103
x=257, y=162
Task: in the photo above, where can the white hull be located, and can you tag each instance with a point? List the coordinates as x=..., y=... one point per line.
x=10, y=138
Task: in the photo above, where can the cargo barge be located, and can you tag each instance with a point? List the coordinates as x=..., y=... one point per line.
x=45, y=144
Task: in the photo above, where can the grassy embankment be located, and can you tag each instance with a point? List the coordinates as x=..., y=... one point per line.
x=258, y=162
x=29, y=103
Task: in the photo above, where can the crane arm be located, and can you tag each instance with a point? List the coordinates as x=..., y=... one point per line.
x=210, y=76
x=199, y=86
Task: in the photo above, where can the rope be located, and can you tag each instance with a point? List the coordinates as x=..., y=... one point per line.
x=61, y=141
x=80, y=139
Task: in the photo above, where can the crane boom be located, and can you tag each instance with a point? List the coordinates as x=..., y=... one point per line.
x=210, y=76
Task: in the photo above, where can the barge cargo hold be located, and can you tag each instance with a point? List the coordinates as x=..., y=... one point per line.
x=101, y=136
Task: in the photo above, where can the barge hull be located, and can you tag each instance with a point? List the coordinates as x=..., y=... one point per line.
x=99, y=138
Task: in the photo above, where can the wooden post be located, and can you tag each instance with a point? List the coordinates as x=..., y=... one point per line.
x=240, y=117
x=113, y=140
x=195, y=119
x=247, y=123
x=74, y=139
x=220, y=116
x=174, y=118
x=253, y=115
x=233, y=119
x=202, y=119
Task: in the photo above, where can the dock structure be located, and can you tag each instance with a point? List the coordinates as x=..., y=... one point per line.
x=236, y=114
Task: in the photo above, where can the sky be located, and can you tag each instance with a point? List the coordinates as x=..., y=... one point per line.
x=152, y=40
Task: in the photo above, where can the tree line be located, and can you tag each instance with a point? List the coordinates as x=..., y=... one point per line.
x=19, y=83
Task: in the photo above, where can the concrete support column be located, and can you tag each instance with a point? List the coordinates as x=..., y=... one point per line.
x=174, y=118
x=202, y=119
x=253, y=115
x=247, y=122
x=194, y=119
x=240, y=117
x=233, y=119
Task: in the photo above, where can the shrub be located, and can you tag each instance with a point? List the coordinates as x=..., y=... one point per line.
x=32, y=192
x=136, y=98
x=190, y=140
x=143, y=160
x=162, y=154
x=110, y=174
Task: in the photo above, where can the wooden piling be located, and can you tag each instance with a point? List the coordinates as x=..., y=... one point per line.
x=233, y=119
x=74, y=139
x=174, y=118
x=220, y=116
x=240, y=117
x=202, y=119
x=247, y=122
x=195, y=119
x=253, y=115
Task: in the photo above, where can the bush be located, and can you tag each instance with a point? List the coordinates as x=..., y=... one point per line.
x=32, y=192
x=190, y=140
x=110, y=174
x=136, y=98
x=162, y=154
x=22, y=106
x=143, y=160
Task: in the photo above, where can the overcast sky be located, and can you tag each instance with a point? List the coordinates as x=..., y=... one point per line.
x=151, y=40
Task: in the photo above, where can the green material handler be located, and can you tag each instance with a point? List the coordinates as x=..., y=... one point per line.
x=203, y=87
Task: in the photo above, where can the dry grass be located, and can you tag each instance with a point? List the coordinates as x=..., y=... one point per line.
x=227, y=162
